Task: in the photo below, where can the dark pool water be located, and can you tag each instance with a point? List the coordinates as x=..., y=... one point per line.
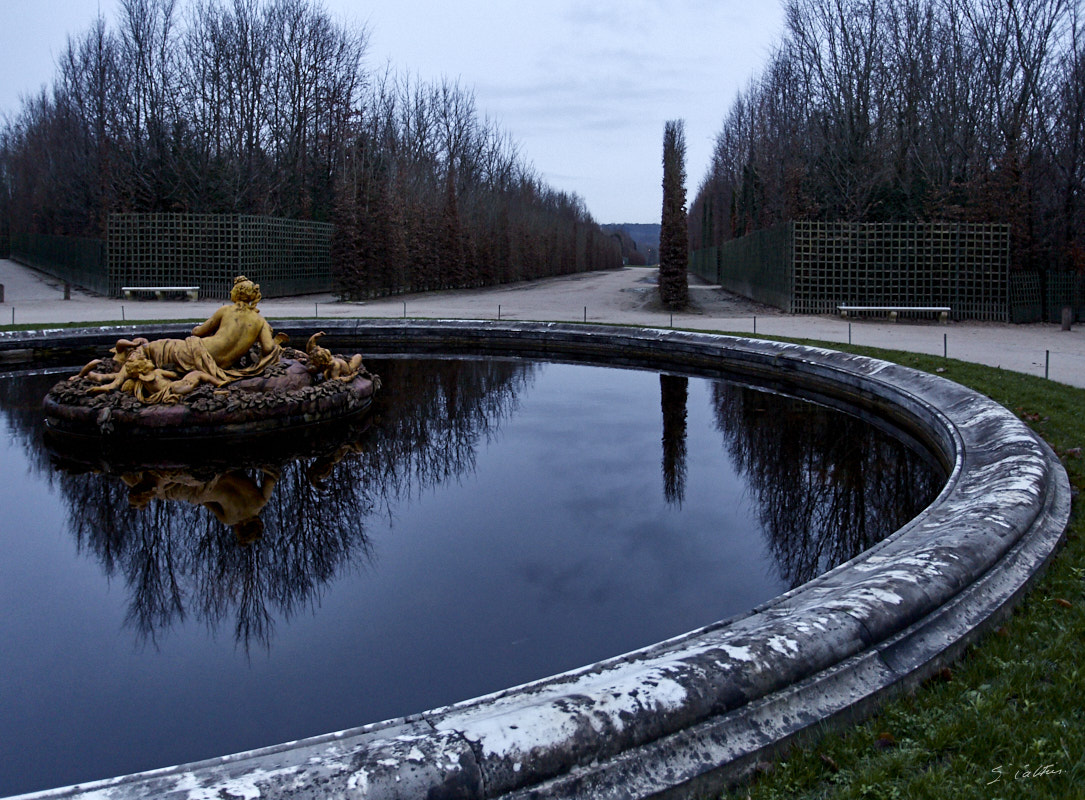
x=497, y=521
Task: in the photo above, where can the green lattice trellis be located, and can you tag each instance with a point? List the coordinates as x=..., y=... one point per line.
x=286, y=257
x=812, y=267
x=1064, y=290
x=1025, y=297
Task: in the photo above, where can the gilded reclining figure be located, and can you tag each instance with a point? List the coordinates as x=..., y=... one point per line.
x=209, y=355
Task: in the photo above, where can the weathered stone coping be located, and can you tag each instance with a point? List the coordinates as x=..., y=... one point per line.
x=696, y=710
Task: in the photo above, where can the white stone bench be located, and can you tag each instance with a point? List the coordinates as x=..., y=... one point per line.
x=893, y=311
x=191, y=292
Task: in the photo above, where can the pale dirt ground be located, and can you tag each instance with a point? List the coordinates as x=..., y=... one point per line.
x=624, y=296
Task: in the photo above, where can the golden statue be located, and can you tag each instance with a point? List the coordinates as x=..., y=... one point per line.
x=332, y=367
x=151, y=384
x=175, y=388
x=229, y=333
x=210, y=355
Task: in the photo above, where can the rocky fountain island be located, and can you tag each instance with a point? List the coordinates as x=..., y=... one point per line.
x=691, y=712
x=232, y=376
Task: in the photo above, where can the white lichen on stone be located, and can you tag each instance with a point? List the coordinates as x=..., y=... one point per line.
x=359, y=782
x=783, y=645
x=737, y=653
x=243, y=787
x=553, y=713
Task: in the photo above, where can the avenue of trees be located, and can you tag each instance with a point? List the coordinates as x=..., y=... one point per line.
x=430, y=196
x=912, y=110
x=266, y=107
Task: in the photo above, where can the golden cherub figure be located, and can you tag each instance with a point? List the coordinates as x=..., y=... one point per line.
x=332, y=367
x=151, y=384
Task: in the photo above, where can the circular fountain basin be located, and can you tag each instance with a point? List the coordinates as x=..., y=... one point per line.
x=698, y=709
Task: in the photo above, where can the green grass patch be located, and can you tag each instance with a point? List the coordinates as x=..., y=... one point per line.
x=1006, y=721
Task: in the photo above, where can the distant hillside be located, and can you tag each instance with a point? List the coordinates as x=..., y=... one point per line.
x=645, y=235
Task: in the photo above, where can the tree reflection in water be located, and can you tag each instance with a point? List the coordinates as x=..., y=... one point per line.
x=259, y=537
x=673, y=396
x=828, y=485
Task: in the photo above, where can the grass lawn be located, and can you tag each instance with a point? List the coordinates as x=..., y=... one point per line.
x=1006, y=721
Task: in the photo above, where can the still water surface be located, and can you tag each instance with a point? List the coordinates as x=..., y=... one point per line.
x=496, y=522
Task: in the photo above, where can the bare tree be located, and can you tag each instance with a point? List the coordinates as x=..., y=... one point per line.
x=872, y=110
x=264, y=107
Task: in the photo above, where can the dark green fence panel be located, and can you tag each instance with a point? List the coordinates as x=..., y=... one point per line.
x=813, y=267
x=74, y=259
x=1063, y=290
x=174, y=250
x=965, y=267
x=760, y=265
x=286, y=257
x=706, y=264
x=1026, y=303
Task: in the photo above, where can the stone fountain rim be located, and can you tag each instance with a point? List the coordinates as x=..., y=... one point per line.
x=700, y=709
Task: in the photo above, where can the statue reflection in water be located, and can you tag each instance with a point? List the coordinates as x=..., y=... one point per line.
x=249, y=542
x=235, y=498
x=256, y=535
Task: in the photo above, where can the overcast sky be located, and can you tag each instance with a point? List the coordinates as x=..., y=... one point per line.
x=583, y=85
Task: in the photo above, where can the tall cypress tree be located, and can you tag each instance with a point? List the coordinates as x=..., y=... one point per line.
x=673, y=238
